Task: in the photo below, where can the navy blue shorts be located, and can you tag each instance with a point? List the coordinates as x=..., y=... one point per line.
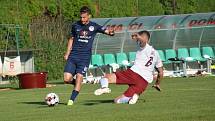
x=75, y=67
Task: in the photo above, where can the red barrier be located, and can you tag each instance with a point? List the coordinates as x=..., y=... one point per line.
x=33, y=80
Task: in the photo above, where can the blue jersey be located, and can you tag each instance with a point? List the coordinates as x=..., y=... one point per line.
x=83, y=37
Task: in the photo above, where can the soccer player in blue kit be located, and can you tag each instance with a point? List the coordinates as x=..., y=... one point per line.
x=79, y=47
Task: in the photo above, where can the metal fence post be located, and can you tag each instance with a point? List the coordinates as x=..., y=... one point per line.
x=17, y=38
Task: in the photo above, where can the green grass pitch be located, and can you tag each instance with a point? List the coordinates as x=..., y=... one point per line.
x=182, y=99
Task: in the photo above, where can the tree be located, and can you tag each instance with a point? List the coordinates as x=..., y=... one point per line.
x=71, y=8
x=179, y=6
x=150, y=7
x=204, y=6
x=186, y=6
x=114, y=8
x=167, y=6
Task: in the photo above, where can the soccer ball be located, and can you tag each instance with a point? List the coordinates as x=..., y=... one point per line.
x=52, y=99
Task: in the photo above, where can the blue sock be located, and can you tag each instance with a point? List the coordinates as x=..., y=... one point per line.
x=104, y=82
x=74, y=95
x=124, y=99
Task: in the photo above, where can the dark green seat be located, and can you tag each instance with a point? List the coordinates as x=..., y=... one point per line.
x=131, y=56
x=161, y=54
x=195, y=53
x=183, y=54
x=109, y=59
x=97, y=60
x=170, y=53
x=214, y=49
x=208, y=51
x=120, y=57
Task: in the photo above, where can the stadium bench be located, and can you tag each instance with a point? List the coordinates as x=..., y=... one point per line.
x=109, y=59
x=122, y=59
x=171, y=55
x=208, y=51
x=131, y=57
x=195, y=53
x=97, y=60
x=162, y=56
x=184, y=54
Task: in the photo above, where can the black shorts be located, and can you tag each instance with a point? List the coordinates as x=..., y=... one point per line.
x=75, y=67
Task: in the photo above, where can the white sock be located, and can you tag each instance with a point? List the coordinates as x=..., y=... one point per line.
x=104, y=82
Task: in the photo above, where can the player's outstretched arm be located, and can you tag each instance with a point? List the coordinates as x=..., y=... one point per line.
x=110, y=32
x=69, y=48
x=159, y=78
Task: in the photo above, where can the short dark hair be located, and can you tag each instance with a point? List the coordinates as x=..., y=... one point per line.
x=144, y=32
x=85, y=9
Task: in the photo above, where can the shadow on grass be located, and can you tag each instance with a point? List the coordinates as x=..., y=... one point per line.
x=40, y=104
x=60, y=82
x=34, y=103
x=9, y=86
x=96, y=102
x=6, y=88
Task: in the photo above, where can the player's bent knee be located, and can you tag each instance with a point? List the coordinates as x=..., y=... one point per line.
x=79, y=78
x=67, y=80
x=67, y=77
x=78, y=75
